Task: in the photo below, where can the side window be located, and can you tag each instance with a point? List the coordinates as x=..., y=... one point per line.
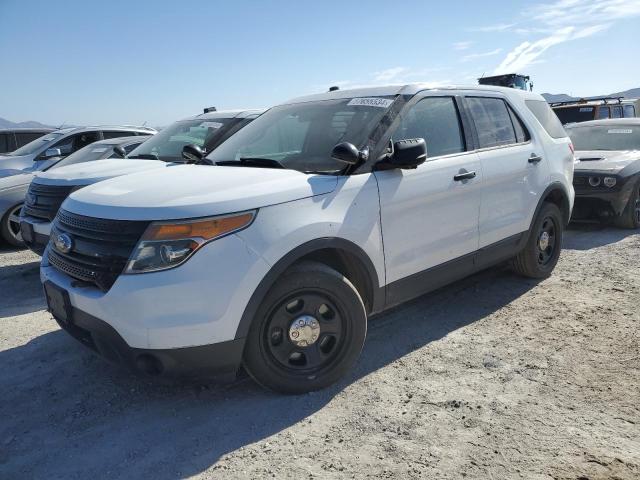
x=549, y=120
x=617, y=112
x=129, y=148
x=522, y=134
x=4, y=142
x=604, y=112
x=493, y=121
x=75, y=142
x=629, y=111
x=117, y=134
x=436, y=120
x=25, y=137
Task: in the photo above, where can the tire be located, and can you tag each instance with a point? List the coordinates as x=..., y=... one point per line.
x=630, y=217
x=10, y=227
x=534, y=261
x=308, y=331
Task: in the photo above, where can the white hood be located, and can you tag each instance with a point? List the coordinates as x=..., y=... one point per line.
x=88, y=173
x=188, y=191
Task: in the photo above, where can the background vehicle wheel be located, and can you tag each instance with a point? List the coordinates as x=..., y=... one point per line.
x=308, y=331
x=10, y=227
x=630, y=217
x=540, y=255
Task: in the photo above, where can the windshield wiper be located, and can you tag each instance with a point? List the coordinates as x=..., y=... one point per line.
x=252, y=162
x=146, y=156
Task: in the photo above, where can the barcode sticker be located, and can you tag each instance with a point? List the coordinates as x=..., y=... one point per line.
x=371, y=102
x=586, y=109
x=620, y=130
x=210, y=125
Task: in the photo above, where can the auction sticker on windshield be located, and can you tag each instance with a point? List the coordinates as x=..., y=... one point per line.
x=210, y=125
x=620, y=130
x=371, y=102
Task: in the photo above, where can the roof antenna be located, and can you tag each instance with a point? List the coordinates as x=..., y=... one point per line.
x=62, y=125
x=144, y=124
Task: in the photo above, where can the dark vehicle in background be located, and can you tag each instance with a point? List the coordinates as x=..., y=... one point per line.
x=14, y=138
x=587, y=109
x=41, y=202
x=607, y=173
x=510, y=80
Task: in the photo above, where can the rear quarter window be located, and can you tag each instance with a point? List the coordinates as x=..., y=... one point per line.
x=549, y=120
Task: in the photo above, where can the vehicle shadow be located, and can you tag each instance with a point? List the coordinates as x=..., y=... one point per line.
x=20, y=289
x=585, y=236
x=67, y=413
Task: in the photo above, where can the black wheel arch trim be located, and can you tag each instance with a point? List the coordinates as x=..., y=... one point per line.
x=326, y=243
x=565, y=208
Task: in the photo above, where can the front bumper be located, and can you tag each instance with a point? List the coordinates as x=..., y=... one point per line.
x=35, y=233
x=601, y=202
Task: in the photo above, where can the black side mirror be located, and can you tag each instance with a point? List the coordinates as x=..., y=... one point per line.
x=348, y=153
x=409, y=153
x=119, y=151
x=193, y=153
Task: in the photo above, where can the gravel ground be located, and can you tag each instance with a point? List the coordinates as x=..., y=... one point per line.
x=493, y=377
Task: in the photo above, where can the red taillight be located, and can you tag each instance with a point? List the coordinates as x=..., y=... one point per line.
x=571, y=148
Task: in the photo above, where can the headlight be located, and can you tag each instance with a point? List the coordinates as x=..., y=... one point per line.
x=610, y=181
x=166, y=245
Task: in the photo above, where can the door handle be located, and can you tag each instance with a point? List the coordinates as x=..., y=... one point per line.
x=464, y=176
x=535, y=158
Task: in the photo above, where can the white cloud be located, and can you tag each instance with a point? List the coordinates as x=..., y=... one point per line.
x=562, y=21
x=390, y=74
x=474, y=56
x=462, y=45
x=500, y=27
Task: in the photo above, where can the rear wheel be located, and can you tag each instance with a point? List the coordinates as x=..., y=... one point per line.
x=630, y=217
x=308, y=331
x=10, y=227
x=541, y=253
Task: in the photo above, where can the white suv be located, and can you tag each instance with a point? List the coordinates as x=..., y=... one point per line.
x=321, y=212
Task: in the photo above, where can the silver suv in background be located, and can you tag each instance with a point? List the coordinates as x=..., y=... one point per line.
x=12, y=138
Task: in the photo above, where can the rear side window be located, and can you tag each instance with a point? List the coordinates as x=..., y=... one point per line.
x=4, y=142
x=604, y=112
x=436, y=120
x=617, y=112
x=629, y=111
x=522, y=134
x=116, y=134
x=25, y=137
x=542, y=111
x=492, y=120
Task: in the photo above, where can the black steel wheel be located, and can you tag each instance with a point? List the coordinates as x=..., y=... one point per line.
x=541, y=252
x=309, y=330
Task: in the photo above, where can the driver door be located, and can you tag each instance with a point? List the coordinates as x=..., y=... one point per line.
x=429, y=214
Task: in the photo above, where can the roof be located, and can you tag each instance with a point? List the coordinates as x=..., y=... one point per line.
x=122, y=140
x=92, y=128
x=409, y=89
x=27, y=129
x=605, y=122
x=239, y=113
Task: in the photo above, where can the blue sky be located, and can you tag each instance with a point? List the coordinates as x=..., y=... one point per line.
x=156, y=61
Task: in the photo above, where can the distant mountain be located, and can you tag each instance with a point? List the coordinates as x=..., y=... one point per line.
x=4, y=123
x=563, y=97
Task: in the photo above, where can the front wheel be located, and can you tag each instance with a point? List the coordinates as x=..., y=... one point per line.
x=308, y=331
x=10, y=227
x=541, y=253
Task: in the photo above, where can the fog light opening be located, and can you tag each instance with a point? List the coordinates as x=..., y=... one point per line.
x=594, y=181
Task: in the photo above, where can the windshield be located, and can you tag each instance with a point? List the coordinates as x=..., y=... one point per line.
x=606, y=137
x=86, y=154
x=168, y=143
x=37, y=145
x=301, y=136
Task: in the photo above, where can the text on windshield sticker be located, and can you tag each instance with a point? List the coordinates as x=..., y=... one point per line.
x=586, y=109
x=210, y=125
x=371, y=102
x=620, y=130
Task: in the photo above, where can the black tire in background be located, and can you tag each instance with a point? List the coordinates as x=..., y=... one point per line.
x=630, y=217
x=541, y=253
x=331, y=317
x=10, y=227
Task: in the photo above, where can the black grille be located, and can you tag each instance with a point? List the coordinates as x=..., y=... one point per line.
x=100, y=247
x=579, y=181
x=43, y=201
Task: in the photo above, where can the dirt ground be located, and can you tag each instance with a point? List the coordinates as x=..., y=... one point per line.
x=493, y=377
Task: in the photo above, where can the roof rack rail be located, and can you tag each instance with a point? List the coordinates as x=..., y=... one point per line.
x=580, y=101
